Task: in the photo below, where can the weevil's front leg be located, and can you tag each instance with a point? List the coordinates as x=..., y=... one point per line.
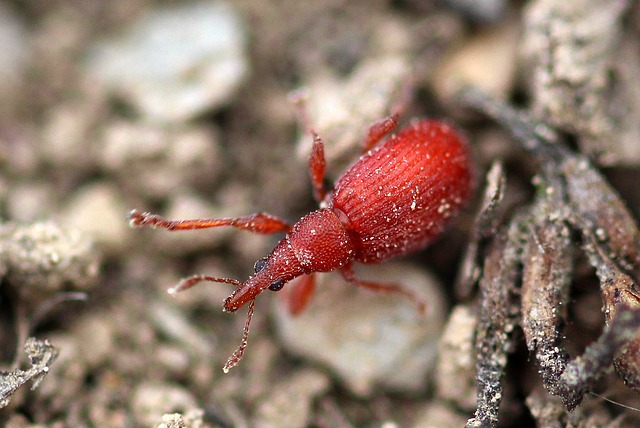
x=389, y=287
x=300, y=293
x=257, y=223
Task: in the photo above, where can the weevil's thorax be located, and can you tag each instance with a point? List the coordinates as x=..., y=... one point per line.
x=321, y=241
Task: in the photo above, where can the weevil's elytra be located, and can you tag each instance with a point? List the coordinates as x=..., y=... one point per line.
x=394, y=200
x=400, y=196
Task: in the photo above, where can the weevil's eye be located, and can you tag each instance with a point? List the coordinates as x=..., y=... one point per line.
x=277, y=285
x=259, y=265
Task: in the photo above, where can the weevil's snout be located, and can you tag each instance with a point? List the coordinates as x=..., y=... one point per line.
x=250, y=289
x=271, y=272
x=240, y=297
x=245, y=292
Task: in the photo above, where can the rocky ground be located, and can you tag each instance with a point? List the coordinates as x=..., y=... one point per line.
x=183, y=108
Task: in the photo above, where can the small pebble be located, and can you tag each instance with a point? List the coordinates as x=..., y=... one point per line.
x=96, y=339
x=172, y=323
x=14, y=57
x=67, y=135
x=487, y=60
x=152, y=399
x=343, y=109
x=43, y=258
x=175, y=63
x=99, y=212
x=29, y=201
x=154, y=162
x=290, y=402
x=455, y=369
x=369, y=339
x=193, y=419
x=438, y=415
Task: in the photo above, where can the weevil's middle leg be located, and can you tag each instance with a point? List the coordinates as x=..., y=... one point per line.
x=348, y=274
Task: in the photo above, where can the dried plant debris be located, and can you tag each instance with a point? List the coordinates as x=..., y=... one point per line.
x=498, y=317
x=192, y=419
x=485, y=226
x=528, y=270
x=43, y=265
x=41, y=355
x=571, y=49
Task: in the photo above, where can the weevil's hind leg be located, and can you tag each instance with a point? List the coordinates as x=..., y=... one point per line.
x=299, y=294
x=317, y=162
x=258, y=223
x=388, y=287
x=378, y=130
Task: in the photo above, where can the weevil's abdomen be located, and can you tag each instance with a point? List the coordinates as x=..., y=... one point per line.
x=400, y=196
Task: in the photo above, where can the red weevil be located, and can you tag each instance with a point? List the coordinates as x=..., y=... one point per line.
x=394, y=200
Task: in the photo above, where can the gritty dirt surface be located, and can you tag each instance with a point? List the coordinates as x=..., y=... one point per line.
x=211, y=132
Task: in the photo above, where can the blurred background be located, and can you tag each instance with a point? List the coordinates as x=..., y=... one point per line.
x=182, y=108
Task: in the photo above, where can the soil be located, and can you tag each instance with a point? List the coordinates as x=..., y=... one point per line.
x=78, y=152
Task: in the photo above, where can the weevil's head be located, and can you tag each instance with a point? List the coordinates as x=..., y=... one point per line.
x=271, y=272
